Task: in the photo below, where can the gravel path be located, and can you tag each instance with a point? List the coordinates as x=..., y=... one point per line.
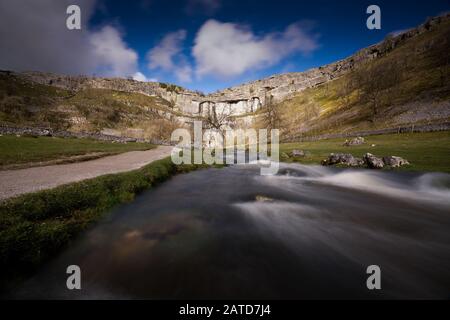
x=16, y=182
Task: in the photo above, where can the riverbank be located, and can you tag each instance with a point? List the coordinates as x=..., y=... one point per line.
x=17, y=182
x=35, y=227
x=27, y=151
x=426, y=151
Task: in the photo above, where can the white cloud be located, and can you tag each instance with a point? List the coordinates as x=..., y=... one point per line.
x=35, y=37
x=139, y=76
x=167, y=55
x=162, y=55
x=113, y=56
x=184, y=73
x=227, y=49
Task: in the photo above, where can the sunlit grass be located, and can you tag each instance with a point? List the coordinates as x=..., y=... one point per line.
x=425, y=151
x=18, y=150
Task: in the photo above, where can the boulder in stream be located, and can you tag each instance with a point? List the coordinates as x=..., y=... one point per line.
x=372, y=161
x=395, y=162
x=298, y=153
x=343, y=158
x=260, y=198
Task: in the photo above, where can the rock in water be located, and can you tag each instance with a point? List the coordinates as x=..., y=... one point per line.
x=298, y=153
x=260, y=198
x=395, y=162
x=354, y=142
x=343, y=158
x=373, y=162
x=284, y=155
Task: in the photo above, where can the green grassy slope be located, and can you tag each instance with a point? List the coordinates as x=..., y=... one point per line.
x=407, y=85
x=23, y=103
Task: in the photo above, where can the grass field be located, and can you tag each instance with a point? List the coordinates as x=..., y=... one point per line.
x=425, y=151
x=24, y=150
x=417, y=71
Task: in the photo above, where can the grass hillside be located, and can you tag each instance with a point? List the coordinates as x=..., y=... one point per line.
x=24, y=103
x=410, y=84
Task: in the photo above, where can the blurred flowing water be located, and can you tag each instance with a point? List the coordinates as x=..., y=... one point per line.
x=309, y=232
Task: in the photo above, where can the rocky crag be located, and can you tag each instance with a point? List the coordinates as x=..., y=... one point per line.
x=242, y=101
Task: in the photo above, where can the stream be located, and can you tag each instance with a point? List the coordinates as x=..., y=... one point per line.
x=309, y=232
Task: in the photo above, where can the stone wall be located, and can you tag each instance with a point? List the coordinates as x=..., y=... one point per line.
x=404, y=129
x=48, y=132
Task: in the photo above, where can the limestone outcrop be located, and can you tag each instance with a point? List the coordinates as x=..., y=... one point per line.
x=342, y=159
x=369, y=160
x=372, y=161
x=354, y=142
x=243, y=100
x=395, y=162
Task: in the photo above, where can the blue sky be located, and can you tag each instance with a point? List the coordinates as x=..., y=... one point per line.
x=201, y=44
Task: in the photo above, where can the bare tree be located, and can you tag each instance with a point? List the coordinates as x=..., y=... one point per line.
x=311, y=110
x=218, y=119
x=375, y=83
x=345, y=90
x=272, y=115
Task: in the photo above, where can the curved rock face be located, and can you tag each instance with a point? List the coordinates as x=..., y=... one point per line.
x=231, y=108
x=243, y=99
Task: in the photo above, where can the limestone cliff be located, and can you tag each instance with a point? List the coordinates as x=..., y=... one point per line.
x=242, y=101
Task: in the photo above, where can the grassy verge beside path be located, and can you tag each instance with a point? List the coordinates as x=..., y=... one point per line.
x=28, y=150
x=34, y=227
